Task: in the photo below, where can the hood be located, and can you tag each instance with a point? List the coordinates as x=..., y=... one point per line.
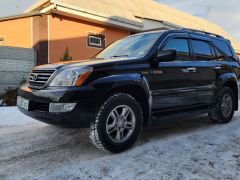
x=92, y=63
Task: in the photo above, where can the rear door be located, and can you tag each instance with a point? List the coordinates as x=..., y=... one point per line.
x=206, y=62
x=174, y=81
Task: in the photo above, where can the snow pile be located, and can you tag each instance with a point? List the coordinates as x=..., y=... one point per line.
x=2, y=103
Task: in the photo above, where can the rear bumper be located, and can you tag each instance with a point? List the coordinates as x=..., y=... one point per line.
x=80, y=116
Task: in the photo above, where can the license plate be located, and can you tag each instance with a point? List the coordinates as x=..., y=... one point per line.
x=23, y=103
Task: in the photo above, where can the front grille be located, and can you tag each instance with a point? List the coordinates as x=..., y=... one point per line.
x=39, y=78
x=41, y=106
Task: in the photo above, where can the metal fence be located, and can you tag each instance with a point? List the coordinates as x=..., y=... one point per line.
x=15, y=66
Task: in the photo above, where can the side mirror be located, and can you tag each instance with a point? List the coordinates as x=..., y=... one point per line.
x=167, y=55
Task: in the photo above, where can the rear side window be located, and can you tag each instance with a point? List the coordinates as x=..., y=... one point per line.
x=223, y=46
x=181, y=45
x=202, y=50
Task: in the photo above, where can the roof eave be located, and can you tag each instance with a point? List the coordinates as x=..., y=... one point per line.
x=38, y=6
x=19, y=16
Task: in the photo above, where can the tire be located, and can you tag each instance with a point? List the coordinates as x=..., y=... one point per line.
x=224, y=110
x=118, y=124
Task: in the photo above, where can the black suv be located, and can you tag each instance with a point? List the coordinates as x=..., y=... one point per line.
x=153, y=74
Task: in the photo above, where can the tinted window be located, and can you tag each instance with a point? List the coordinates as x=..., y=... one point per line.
x=220, y=55
x=222, y=46
x=202, y=50
x=181, y=45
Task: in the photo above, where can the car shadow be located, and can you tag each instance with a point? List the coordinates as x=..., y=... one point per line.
x=161, y=129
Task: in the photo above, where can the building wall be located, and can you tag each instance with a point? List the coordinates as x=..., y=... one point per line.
x=40, y=38
x=17, y=32
x=72, y=33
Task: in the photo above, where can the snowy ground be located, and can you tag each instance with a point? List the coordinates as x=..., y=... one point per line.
x=187, y=149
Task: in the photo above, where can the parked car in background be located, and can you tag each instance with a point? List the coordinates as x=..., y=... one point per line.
x=160, y=73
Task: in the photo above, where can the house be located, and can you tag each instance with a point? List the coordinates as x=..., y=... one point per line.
x=79, y=29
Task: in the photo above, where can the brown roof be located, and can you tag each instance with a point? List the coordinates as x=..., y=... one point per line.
x=135, y=10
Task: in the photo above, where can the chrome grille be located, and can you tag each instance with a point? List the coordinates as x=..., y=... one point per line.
x=39, y=78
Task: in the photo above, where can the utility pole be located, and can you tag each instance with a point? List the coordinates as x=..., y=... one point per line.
x=209, y=8
x=17, y=8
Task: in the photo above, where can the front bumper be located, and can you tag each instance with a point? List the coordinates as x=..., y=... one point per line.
x=80, y=116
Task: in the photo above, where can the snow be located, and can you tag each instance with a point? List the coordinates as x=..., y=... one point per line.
x=10, y=116
x=2, y=103
x=191, y=148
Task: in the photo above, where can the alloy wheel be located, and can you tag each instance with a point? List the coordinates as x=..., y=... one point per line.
x=120, y=123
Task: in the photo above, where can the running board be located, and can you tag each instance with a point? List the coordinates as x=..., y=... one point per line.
x=162, y=117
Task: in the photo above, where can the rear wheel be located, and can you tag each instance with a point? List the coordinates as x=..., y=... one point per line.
x=118, y=123
x=225, y=107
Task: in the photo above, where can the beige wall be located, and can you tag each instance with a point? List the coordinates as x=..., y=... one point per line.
x=17, y=32
x=72, y=33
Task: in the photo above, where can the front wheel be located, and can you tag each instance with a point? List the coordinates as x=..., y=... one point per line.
x=225, y=107
x=118, y=123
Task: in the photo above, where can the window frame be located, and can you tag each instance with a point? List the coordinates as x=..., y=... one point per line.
x=100, y=37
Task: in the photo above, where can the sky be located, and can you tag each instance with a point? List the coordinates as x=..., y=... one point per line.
x=225, y=13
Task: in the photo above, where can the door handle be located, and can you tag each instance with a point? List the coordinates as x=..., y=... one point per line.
x=221, y=67
x=190, y=70
x=218, y=68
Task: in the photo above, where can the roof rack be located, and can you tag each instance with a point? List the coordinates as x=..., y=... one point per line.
x=203, y=32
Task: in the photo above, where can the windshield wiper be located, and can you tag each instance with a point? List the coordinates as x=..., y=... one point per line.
x=119, y=56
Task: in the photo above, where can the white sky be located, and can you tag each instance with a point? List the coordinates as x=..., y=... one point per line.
x=225, y=13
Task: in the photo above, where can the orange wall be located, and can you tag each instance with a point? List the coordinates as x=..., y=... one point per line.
x=17, y=32
x=72, y=33
x=40, y=38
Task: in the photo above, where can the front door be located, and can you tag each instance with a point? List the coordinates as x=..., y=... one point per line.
x=175, y=81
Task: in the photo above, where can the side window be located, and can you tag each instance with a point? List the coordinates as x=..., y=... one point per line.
x=222, y=46
x=181, y=45
x=220, y=55
x=202, y=50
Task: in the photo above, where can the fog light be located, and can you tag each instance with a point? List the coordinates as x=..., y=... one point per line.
x=61, y=107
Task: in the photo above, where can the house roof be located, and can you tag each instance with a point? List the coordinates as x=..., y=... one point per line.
x=134, y=11
x=19, y=16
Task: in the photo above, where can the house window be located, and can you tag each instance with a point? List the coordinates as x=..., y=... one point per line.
x=97, y=41
x=1, y=41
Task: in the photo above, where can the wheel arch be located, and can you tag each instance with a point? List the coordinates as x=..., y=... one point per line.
x=230, y=80
x=135, y=85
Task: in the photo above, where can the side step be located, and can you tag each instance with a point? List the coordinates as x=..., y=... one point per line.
x=165, y=117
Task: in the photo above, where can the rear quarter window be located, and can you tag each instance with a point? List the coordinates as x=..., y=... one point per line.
x=223, y=46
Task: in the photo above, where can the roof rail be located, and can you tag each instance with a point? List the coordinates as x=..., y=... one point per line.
x=203, y=32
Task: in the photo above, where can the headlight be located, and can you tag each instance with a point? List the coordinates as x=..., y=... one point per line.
x=72, y=76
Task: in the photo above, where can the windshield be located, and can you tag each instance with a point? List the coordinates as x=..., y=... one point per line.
x=132, y=46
